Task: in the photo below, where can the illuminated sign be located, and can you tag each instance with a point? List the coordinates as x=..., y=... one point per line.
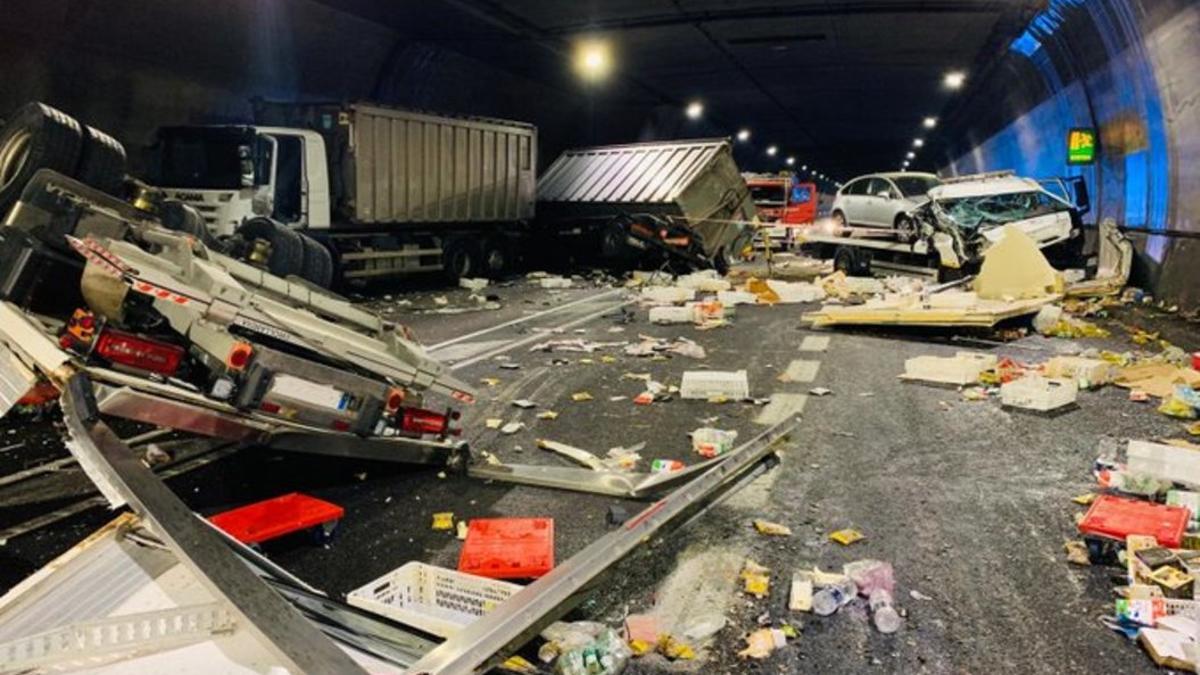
x=1081, y=146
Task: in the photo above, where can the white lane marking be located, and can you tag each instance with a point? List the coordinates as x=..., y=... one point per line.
x=754, y=496
x=464, y=350
x=781, y=407
x=523, y=319
x=535, y=337
x=800, y=371
x=814, y=343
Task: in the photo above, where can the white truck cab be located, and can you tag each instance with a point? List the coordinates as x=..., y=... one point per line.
x=231, y=173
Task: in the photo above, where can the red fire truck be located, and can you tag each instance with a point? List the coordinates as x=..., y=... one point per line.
x=784, y=203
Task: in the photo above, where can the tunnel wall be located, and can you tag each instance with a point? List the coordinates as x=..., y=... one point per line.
x=130, y=66
x=1126, y=68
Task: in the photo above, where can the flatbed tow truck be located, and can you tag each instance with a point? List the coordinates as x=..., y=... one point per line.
x=962, y=218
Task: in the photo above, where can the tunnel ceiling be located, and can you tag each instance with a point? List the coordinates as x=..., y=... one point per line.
x=842, y=86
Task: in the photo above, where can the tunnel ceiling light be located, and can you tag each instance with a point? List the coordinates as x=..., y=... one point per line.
x=804, y=168
x=593, y=60
x=904, y=164
x=772, y=150
x=929, y=122
x=743, y=135
x=954, y=79
x=694, y=110
x=918, y=142
x=910, y=155
x=791, y=161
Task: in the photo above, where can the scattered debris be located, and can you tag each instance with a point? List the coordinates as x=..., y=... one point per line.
x=1034, y=392
x=772, y=529
x=443, y=521
x=581, y=396
x=512, y=428
x=710, y=442
x=577, y=455
x=756, y=579
x=820, y=391
x=710, y=384
x=846, y=537
x=962, y=368
x=762, y=642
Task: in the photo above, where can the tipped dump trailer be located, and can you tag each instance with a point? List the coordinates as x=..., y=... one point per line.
x=385, y=191
x=685, y=200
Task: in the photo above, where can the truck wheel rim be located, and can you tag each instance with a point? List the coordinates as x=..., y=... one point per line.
x=13, y=156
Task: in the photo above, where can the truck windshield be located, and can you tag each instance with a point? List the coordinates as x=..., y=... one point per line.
x=991, y=210
x=768, y=195
x=203, y=158
x=916, y=186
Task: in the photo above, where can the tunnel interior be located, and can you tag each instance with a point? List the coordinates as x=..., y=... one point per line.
x=841, y=88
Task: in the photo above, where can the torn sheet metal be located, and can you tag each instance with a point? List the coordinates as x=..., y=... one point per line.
x=294, y=643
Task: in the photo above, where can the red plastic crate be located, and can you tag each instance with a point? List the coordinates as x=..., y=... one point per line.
x=508, y=548
x=275, y=517
x=1116, y=517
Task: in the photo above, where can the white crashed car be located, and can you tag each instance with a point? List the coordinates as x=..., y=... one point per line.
x=975, y=209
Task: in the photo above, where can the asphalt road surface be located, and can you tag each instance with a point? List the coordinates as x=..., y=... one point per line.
x=969, y=502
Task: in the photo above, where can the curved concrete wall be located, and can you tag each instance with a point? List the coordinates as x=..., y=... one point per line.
x=1128, y=69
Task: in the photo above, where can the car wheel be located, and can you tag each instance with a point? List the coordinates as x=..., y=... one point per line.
x=906, y=229
x=839, y=219
x=286, y=255
x=317, y=266
x=37, y=137
x=101, y=161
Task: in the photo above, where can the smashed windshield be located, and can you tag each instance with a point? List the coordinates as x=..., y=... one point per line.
x=991, y=210
x=916, y=186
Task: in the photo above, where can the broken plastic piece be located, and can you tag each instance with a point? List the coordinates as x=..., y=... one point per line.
x=443, y=521
x=772, y=529
x=762, y=642
x=846, y=537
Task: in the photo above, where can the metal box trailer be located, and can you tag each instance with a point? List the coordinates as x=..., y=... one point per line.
x=633, y=192
x=389, y=165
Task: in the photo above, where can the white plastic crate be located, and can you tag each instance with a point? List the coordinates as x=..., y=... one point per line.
x=706, y=384
x=961, y=369
x=431, y=598
x=1042, y=394
x=672, y=314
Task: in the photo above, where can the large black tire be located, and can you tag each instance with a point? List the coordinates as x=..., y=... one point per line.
x=287, y=249
x=180, y=217
x=496, y=258
x=101, y=161
x=36, y=137
x=317, y=267
x=839, y=219
x=461, y=259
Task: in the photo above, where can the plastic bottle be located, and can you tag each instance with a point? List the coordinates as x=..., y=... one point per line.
x=883, y=614
x=832, y=598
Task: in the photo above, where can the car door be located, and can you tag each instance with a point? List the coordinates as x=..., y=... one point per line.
x=852, y=202
x=876, y=208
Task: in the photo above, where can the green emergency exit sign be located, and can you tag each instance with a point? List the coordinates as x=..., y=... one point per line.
x=1081, y=146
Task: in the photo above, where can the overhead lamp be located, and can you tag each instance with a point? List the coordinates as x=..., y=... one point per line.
x=804, y=167
x=743, y=135
x=910, y=155
x=954, y=79
x=904, y=164
x=929, y=122
x=593, y=60
x=791, y=161
x=694, y=110
x=918, y=142
x=772, y=150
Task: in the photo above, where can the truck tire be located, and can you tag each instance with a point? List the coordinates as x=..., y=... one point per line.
x=317, y=266
x=496, y=258
x=287, y=249
x=36, y=137
x=180, y=217
x=101, y=161
x=460, y=259
x=851, y=262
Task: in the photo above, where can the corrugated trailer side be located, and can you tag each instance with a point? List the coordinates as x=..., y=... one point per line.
x=410, y=167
